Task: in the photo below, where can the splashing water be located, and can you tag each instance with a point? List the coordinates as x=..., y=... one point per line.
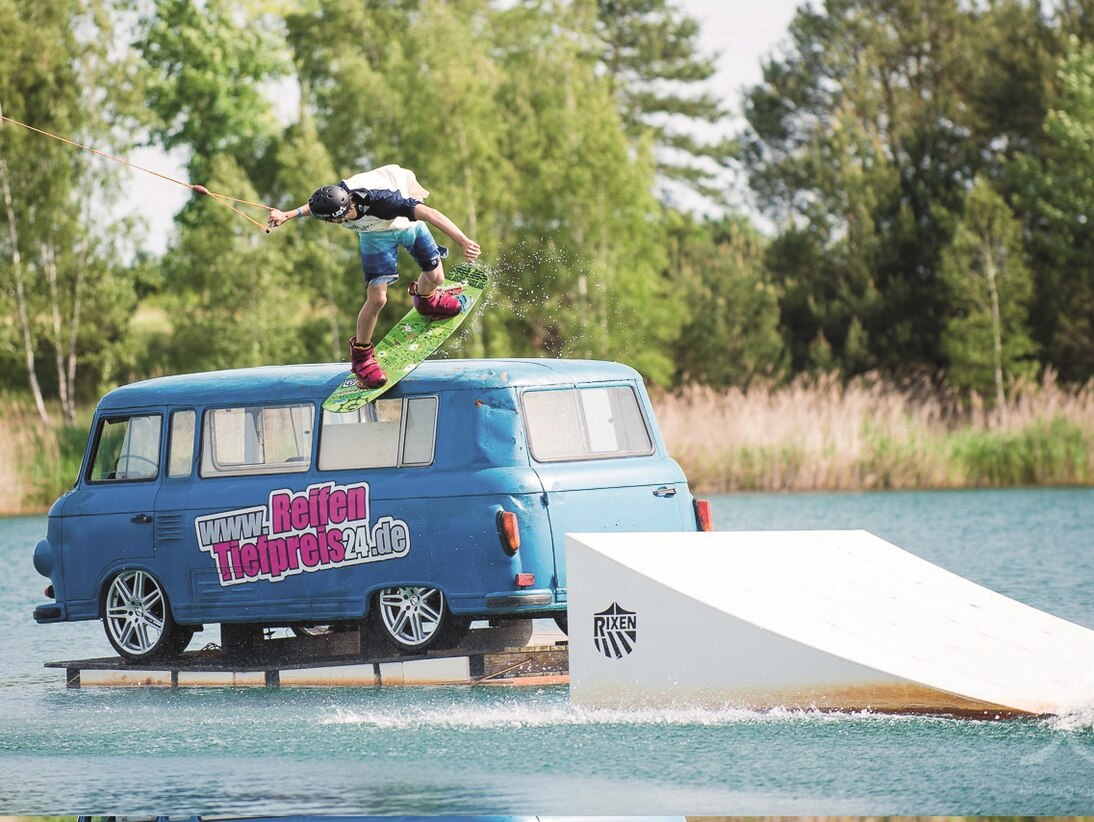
x=1079, y=718
x=520, y=714
x=537, y=304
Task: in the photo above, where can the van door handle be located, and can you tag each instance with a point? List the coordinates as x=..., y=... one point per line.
x=141, y=518
x=665, y=491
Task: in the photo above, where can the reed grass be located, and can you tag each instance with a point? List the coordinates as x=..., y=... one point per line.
x=38, y=461
x=821, y=434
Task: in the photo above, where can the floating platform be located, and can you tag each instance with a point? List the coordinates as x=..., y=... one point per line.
x=829, y=620
x=505, y=655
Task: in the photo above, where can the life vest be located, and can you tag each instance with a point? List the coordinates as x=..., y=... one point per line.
x=386, y=178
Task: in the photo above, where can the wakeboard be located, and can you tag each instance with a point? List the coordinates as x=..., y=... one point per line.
x=412, y=340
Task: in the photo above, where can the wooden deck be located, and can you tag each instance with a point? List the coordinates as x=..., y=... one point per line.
x=509, y=654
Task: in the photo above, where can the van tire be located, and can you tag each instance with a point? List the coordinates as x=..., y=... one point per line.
x=413, y=619
x=563, y=623
x=137, y=618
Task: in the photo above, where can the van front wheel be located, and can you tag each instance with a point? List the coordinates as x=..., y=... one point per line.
x=414, y=619
x=138, y=621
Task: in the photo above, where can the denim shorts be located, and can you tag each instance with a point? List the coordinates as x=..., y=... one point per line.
x=380, y=250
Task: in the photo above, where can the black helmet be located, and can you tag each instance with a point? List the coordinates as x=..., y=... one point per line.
x=329, y=202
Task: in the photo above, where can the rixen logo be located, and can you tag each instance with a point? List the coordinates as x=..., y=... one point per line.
x=615, y=631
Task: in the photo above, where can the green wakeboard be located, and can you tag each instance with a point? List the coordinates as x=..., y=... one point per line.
x=412, y=340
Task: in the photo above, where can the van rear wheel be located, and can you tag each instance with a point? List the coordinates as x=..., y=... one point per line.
x=413, y=619
x=137, y=618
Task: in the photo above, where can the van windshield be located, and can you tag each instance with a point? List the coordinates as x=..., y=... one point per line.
x=127, y=449
x=585, y=423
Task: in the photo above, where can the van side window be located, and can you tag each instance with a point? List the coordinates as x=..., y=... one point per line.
x=383, y=434
x=585, y=423
x=180, y=445
x=127, y=448
x=256, y=440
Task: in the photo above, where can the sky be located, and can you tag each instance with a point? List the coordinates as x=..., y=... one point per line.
x=738, y=33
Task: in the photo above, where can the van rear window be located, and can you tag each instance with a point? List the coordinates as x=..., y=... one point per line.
x=257, y=440
x=585, y=424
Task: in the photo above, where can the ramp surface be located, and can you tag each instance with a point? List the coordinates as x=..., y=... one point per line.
x=827, y=619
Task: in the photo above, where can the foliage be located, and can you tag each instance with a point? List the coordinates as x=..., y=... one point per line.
x=56, y=465
x=205, y=65
x=865, y=139
x=59, y=248
x=859, y=138
x=650, y=55
x=38, y=461
x=1054, y=452
x=900, y=149
x=230, y=295
x=513, y=132
x=731, y=335
x=1056, y=191
x=985, y=335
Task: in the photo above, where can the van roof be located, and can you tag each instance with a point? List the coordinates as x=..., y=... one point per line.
x=313, y=382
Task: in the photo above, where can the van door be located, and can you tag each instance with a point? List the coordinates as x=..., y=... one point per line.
x=386, y=449
x=602, y=465
x=237, y=556
x=109, y=516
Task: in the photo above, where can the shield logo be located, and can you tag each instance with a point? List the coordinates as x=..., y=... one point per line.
x=615, y=631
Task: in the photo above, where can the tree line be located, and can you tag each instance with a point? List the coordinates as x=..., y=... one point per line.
x=922, y=170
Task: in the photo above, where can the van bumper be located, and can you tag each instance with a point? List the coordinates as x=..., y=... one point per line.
x=534, y=598
x=53, y=612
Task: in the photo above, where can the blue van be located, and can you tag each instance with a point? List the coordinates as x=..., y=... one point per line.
x=232, y=497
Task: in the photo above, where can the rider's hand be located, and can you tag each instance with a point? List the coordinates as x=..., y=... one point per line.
x=471, y=251
x=277, y=218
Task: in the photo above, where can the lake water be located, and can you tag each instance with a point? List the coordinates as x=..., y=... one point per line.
x=460, y=750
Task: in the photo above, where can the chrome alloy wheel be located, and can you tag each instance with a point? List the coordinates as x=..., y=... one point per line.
x=412, y=616
x=136, y=614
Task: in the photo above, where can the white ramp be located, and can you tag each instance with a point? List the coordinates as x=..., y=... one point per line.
x=828, y=619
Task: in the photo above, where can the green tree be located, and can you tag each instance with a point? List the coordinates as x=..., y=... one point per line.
x=380, y=91
x=516, y=134
x=731, y=335
x=322, y=262
x=584, y=267
x=231, y=295
x=858, y=137
x=660, y=82
x=1057, y=195
x=205, y=65
x=59, y=257
x=1012, y=84
x=986, y=337
x=234, y=296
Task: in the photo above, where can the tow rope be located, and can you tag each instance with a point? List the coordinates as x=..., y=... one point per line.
x=223, y=199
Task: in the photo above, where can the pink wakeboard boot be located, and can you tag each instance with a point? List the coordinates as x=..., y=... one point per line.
x=438, y=305
x=363, y=364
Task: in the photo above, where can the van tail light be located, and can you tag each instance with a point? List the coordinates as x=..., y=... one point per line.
x=49, y=591
x=703, y=518
x=508, y=531
x=525, y=580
